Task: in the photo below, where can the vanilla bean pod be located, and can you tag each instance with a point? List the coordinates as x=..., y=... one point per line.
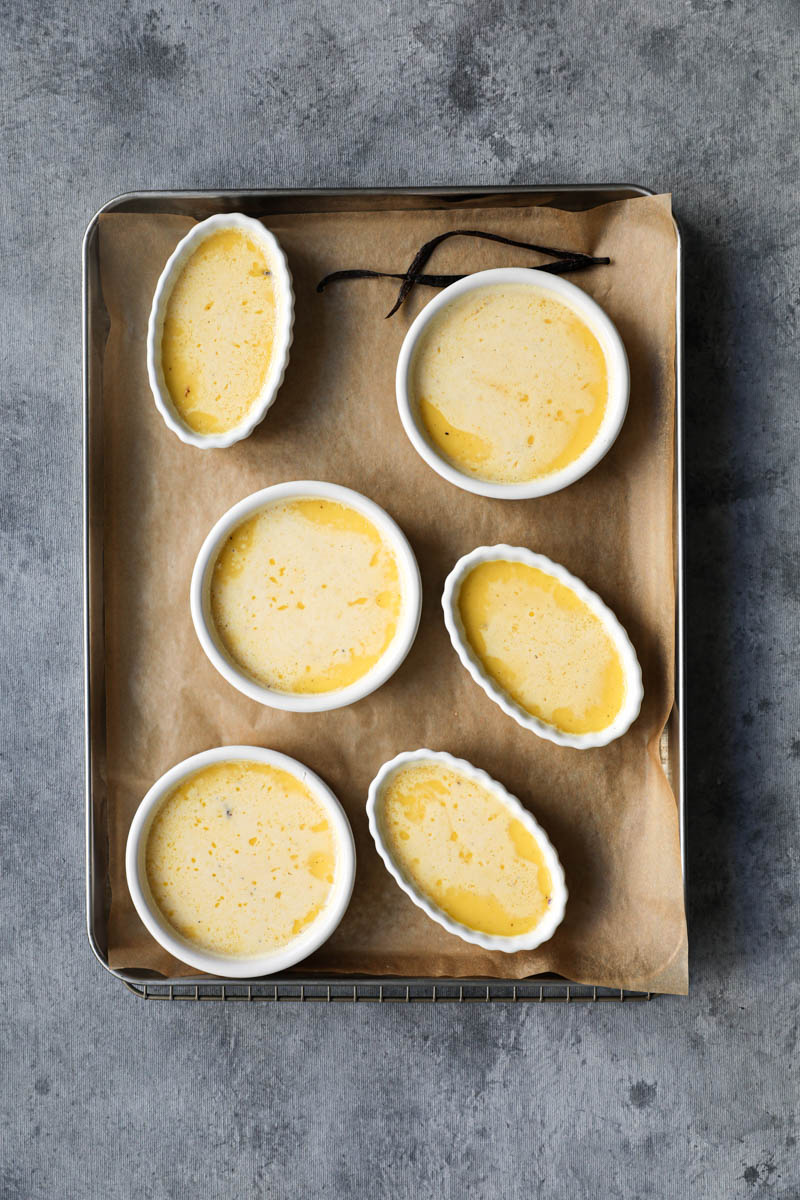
x=566, y=261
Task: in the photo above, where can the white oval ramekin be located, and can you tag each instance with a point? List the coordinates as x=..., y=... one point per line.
x=630, y=663
x=224, y=964
x=558, y=900
x=409, y=614
x=284, y=323
x=618, y=383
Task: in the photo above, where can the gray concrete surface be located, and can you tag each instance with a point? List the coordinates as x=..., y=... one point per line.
x=105, y=1096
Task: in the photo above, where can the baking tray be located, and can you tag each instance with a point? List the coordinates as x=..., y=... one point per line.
x=320, y=986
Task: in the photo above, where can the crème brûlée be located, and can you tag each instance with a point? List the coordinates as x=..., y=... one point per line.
x=466, y=851
x=510, y=384
x=219, y=328
x=306, y=596
x=543, y=645
x=240, y=858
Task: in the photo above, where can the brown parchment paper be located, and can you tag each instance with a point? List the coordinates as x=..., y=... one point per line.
x=610, y=812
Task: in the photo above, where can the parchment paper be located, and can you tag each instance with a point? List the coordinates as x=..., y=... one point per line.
x=610, y=812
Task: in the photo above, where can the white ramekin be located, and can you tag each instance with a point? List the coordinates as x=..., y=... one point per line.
x=526, y=941
x=618, y=383
x=284, y=321
x=224, y=964
x=409, y=614
x=630, y=663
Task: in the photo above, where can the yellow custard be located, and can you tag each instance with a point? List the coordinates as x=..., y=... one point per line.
x=465, y=850
x=543, y=645
x=510, y=384
x=306, y=596
x=240, y=858
x=219, y=327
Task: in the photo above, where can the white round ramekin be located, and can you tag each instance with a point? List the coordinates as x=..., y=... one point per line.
x=630, y=663
x=618, y=383
x=224, y=964
x=284, y=322
x=409, y=614
x=525, y=941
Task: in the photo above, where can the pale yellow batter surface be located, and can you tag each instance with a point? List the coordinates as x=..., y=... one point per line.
x=542, y=645
x=240, y=858
x=510, y=384
x=465, y=850
x=218, y=333
x=306, y=596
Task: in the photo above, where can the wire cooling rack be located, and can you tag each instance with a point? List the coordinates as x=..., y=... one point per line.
x=326, y=990
x=372, y=992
